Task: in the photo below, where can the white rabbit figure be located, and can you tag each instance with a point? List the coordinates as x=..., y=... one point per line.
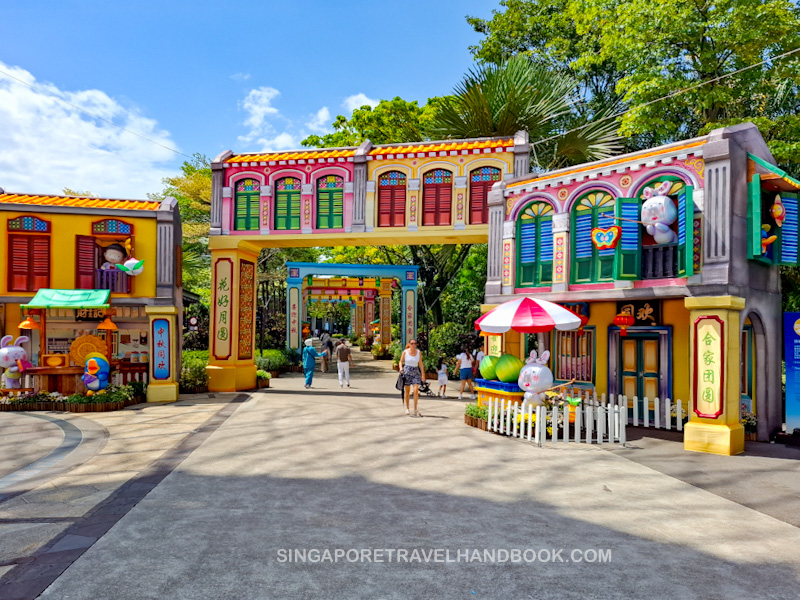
x=11, y=356
x=534, y=379
x=658, y=213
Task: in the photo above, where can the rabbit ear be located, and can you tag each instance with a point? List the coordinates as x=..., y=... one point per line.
x=6, y=340
x=647, y=192
x=21, y=340
x=533, y=356
x=544, y=357
x=664, y=188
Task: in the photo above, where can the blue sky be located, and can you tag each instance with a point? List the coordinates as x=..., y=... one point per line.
x=203, y=77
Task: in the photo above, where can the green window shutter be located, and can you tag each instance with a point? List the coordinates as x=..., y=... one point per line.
x=628, y=258
x=544, y=250
x=323, y=209
x=287, y=210
x=246, y=211
x=330, y=208
x=754, y=217
x=685, y=235
x=337, y=209
x=789, y=231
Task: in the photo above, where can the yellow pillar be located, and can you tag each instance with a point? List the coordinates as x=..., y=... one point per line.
x=165, y=332
x=231, y=364
x=714, y=425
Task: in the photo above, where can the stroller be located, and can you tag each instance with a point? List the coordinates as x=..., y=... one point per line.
x=424, y=388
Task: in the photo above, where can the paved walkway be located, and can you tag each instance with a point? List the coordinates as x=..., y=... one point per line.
x=331, y=469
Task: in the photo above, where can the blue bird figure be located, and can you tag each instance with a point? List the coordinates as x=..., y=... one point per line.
x=96, y=373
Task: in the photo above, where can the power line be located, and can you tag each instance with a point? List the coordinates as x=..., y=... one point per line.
x=49, y=93
x=670, y=95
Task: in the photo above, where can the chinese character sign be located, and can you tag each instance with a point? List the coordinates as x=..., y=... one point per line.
x=247, y=290
x=495, y=345
x=709, y=367
x=410, y=302
x=294, y=315
x=161, y=349
x=223, y=304
x=791, y=349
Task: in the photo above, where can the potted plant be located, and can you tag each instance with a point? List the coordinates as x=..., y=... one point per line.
x=750, y=423
x=263, y=378
x=380, y=353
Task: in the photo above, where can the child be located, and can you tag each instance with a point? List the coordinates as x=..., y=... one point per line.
x=442, y=378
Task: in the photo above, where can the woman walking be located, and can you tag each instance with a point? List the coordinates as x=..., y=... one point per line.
x=309, y=362
x=413, y=375
x=466, y=362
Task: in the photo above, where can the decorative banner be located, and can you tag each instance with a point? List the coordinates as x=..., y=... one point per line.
x=507, y=262
x=791, y=353
x=495, y=345
x=709, y=366
x=223, y=282
x=294, y=317
x=644, y=312
x=89, y=314
x=359, y=320
x=559, y=271
x=369, y=317
x=606, y=239
x=386, y=320
x=410, y=313
x=247, y=291
x=161, y=349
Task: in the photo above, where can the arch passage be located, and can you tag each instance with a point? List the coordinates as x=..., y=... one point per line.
x=437, y=197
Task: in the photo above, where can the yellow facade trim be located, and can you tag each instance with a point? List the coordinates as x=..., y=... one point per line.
x=714, y=302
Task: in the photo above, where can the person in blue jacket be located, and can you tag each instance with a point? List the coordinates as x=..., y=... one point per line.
x=309, y=362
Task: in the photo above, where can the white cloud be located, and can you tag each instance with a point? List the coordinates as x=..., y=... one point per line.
x=357, y=101
x=258, y=104
x=320, y=122
x=46, y=145
x=240, y=77
x=282, y=141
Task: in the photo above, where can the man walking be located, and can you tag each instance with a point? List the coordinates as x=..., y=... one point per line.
x=345, y=358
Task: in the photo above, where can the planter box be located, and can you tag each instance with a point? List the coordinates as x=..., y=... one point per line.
x=395, y=367
x=275, y=374
x=263, y=383
x=483, y=424
x=749, y=437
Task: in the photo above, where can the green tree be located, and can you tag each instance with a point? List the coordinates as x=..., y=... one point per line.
x=499, y=100
x=667, y=46
x=392, y=121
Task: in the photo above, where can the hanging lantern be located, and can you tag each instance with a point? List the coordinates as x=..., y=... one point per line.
x=623, y=321
x=584, y=321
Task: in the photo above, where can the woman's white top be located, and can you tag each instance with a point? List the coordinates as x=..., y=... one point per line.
x=466, y=361
x=411, y=360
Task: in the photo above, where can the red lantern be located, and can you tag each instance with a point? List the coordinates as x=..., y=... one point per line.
x=584, y=321
x=623, y=321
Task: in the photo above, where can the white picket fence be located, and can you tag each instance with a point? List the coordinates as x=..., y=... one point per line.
x=596, y=420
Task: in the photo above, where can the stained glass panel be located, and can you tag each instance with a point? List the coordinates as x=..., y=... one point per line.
x=438, y=176
x=247, y=185
x=486, y=174
x=288, y=184
x=392, y=178
x=330, y=182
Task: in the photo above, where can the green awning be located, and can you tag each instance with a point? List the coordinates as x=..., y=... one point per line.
x=777, y=171
x=45, y=298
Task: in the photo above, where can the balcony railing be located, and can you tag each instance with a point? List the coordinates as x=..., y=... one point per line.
x=113, y=280
x=660, y=262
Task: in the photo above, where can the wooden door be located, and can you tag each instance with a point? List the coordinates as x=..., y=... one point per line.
x=640, y=367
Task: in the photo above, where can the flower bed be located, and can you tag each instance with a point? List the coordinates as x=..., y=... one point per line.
x=114, y=397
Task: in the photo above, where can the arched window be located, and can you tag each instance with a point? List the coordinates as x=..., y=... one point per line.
x=247, y=205
x=535, y=248
x=287, y=203
x=330, y=202
x=392, y=199
x=595, y=209
x=437, y=197
x=28, y=254
x=112, y=227
x=481, y=181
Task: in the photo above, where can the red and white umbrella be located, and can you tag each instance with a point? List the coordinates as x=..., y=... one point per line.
x=528, y=315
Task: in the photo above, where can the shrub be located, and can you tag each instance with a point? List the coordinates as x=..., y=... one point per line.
x=293, y=356
x=271, y=360
x=449, y=338
x=381, y=353
x=263, y=375
x=139, y=388
x=396, y=349
x=195, y=355
x=194, y=378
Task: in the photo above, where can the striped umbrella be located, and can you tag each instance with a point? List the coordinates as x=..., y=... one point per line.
x=528, y=315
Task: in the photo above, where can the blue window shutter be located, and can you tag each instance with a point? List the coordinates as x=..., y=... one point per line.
x=583, y=235
x=628, y=251
x=546, y=239
x=789, y=231
x=527, y=242
x=685, y=223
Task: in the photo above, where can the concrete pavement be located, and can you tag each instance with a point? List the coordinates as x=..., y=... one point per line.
x=331, y=469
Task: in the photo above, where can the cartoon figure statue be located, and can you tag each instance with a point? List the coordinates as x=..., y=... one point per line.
x=14, y=360
x=658, y=213
x=766, y=239
x=113, y=255
x=778, y=211
x=534, y=379
x=96, y=372
x=132, y=266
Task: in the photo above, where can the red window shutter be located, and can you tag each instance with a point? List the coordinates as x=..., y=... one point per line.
x=19, y=260
x=399, y=207
x=478, y=207
x=445, y=204
x=429, y=205
x=84, y=262
x=40, y=271
x=385, y=202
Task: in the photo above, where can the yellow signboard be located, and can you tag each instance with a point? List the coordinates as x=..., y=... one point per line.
x=495, y=345
x=709, y=366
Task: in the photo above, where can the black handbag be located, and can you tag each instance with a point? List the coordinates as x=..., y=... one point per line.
x=401, y=382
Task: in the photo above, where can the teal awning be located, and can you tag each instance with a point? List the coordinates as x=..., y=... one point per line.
x=775, y=170
x=46, y=298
